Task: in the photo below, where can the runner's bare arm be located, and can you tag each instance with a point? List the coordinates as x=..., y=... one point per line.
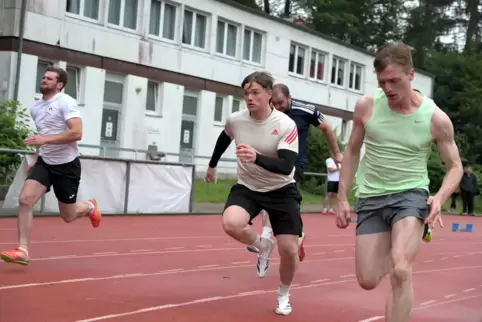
x=351, y=156
x=443, y=135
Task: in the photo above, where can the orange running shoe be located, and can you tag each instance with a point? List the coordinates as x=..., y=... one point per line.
x=95, y=215
x=17, y=256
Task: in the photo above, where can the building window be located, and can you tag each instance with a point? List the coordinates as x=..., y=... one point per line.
x=226, y=38
x=113, y=92
x=153, y=101
x=73, y=83
x=252, y=45
x=317, y=65
x=355, y=76
x=86, y=8
x=163, y=19
x=338, y=72
x=236, y=105
x=344, y=129
x=189, y=104
x=123, y=13
x=297, y=60
x=194, y=29
x=219, y=109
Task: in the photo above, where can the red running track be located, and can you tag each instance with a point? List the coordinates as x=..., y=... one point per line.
x=186, y=269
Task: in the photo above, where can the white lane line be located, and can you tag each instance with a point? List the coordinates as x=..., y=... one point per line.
x=141, y=250
x=204, y=246
x=64, y=257
x=203, y=300
x=106, y=240
x=449, y=296
x=373, y=318
x=428, y=261
x=208, y=266
x=469, y=290
x=444, y=258
x=237, y=263
x=164, y=272
x=349, y=275
x=174, y=248
x=320, y=281
x=322, y=253
x=104, y=253
x=427, y=303
x=339, y=251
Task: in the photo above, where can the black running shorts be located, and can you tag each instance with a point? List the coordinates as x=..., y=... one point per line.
x=282, y=206
x=64, y=178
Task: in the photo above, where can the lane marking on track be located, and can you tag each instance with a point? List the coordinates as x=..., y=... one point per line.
x=106, y=240
x=469, y=290
x=322, y=253
x=375, y=318
x=204, y=246
x=427, y=303
x=130, y=275
x=449, y=296
x=348, y=275
x=174, y=248
x=208, y=266
x=102, y=253
x=141, y=250
x=243, y=262
x=196, y=270
x=320, y=281
x=203, y=300
x=444, y=258
x=428, y=261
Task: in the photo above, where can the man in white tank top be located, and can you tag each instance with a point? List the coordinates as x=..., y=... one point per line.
x=267, y=148
x=57, y=164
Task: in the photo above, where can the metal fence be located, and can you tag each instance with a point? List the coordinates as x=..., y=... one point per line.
x=226, y=169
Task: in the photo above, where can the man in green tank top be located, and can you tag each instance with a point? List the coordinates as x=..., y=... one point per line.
x=398, y=126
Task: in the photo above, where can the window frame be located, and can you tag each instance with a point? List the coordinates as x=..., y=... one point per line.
x=318, y=53
x=191, y=44
x=251, y=46
x=227, y=23
x=295, y=58
x=336, y=67
x=121, y=25
x=81, y=15
x=157, y=99
x=351, y=81
x=163, y=3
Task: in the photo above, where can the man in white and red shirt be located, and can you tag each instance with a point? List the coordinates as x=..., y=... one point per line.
x=267, y=148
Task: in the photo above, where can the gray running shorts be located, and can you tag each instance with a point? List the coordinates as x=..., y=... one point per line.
x=379, y=214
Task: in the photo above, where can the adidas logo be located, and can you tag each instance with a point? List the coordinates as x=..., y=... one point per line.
x=275, y=132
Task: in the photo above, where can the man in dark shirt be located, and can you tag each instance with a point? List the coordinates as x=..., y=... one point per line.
x=468, y=190
x=304, y=115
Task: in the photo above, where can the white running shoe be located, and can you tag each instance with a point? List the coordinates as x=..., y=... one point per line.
x=262, y=266
x=284, y=305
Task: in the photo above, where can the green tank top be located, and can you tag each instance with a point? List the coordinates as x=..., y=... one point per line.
x=397, y=148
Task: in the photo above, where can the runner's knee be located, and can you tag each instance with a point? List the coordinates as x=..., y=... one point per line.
x=287, y=246
x=235, y=219
x=400, y=275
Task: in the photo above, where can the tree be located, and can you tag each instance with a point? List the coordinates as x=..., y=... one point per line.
x=14, y=128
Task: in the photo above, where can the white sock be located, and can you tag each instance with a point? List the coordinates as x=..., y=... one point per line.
x=267, y=232
x=91, y=207
x=260, y=243
x=284, y=289
x=24, y=249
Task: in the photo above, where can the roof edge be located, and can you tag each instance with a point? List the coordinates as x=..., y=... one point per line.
x=311, y=31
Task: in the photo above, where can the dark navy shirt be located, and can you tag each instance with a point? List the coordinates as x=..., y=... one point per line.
x=304, y=115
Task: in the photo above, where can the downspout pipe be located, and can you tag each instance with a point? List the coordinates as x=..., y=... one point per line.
x=23, y=10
